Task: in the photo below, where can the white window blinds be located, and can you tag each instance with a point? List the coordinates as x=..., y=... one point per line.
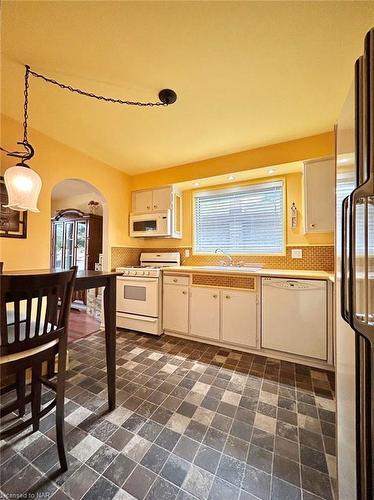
x=245, y=220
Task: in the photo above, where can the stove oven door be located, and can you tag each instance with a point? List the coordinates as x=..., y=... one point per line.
x=136, y=295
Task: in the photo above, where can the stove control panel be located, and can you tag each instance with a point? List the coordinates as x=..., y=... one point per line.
x=136, y=271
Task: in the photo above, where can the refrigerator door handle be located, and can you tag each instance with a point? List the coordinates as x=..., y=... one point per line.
x=358, y=289
x=345, y=278
x=360, y=120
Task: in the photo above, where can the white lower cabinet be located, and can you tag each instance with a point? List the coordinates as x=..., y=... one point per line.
x=205, y=312
x=239, y=317
x=217, y=314
x=175, y=308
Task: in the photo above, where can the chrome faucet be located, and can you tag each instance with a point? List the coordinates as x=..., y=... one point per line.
x=231, y=260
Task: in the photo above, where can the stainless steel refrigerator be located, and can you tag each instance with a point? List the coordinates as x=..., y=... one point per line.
x=354, y=326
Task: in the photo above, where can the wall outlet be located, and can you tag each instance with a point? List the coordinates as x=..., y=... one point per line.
x=297, y=253
x=187, y=252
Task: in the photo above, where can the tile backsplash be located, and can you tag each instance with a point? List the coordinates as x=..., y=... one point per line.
x=124, y=256
x=315, y=258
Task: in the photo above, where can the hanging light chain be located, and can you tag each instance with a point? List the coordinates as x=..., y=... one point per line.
x=26, y=104
x=91, y=94
x=166, y=96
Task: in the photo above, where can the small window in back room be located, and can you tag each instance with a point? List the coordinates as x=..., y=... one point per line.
x=243, y=220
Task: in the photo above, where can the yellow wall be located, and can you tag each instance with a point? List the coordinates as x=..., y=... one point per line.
x=297, y=150
x=294, y=193
x=55, y=162
x=276, y=154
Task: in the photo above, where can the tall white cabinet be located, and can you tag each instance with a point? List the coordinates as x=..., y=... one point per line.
x=319, y=195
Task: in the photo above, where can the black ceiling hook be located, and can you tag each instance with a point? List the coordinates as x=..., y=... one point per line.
x=167, y=96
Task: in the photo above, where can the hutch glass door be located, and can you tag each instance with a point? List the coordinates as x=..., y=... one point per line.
x=81, y=234
x=69, y=245
x=58, y=238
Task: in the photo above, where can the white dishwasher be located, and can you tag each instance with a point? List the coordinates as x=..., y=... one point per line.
x=294, y=316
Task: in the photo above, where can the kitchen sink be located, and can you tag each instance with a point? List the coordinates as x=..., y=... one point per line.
x=247, y=269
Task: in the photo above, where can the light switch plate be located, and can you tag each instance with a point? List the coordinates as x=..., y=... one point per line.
x=187, y=252
x=297, y=253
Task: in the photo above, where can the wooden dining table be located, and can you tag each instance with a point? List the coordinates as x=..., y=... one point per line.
x=96, y=279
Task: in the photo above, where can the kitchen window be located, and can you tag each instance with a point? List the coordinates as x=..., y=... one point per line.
x=243, y=220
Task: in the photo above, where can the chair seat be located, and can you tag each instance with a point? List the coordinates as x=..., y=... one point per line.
x=9, y=358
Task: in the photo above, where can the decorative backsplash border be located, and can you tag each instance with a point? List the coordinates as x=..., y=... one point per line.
x=224, y=281
x=315, y=258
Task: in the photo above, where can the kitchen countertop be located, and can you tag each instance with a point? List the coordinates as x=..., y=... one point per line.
x=278, y=273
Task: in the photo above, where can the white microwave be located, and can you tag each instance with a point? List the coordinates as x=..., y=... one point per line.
x=151, y=224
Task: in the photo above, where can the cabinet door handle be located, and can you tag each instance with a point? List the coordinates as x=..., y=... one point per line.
x=154, y=206
x=184, y=292
x=148, y=207
x=175, y=280
x=215, y=296
x=228, y=297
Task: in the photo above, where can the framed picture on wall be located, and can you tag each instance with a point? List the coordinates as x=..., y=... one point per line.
x=13, y=224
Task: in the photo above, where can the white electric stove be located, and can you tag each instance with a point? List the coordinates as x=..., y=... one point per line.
x=139, y=292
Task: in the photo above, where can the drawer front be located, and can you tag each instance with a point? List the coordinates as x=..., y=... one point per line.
x=176, y=280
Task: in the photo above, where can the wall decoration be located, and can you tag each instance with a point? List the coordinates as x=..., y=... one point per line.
x=293, y=216
x=13, y=224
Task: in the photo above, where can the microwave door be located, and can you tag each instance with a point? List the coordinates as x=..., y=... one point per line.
x=144, y=226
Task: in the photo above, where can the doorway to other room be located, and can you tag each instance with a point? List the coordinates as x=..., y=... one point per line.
x=77, y=239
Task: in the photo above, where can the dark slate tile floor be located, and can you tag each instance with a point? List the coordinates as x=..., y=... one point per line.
x=193, y=422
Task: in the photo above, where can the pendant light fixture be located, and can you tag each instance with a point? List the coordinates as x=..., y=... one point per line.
x=22, y=183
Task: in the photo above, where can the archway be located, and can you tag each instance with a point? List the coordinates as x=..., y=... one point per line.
x=79, y=236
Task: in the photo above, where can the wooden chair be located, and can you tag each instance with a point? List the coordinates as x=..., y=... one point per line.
x=34, y=314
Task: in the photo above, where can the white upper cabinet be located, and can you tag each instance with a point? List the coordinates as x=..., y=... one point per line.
x=142, y=201
x=152, y=200
x=205, y=312
x=319, y=195
x=239, y=317
x=162, y=199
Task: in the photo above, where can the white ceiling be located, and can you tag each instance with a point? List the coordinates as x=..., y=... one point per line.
x=247, y=73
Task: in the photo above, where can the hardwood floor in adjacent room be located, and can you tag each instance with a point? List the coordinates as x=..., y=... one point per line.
x=81, y=325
